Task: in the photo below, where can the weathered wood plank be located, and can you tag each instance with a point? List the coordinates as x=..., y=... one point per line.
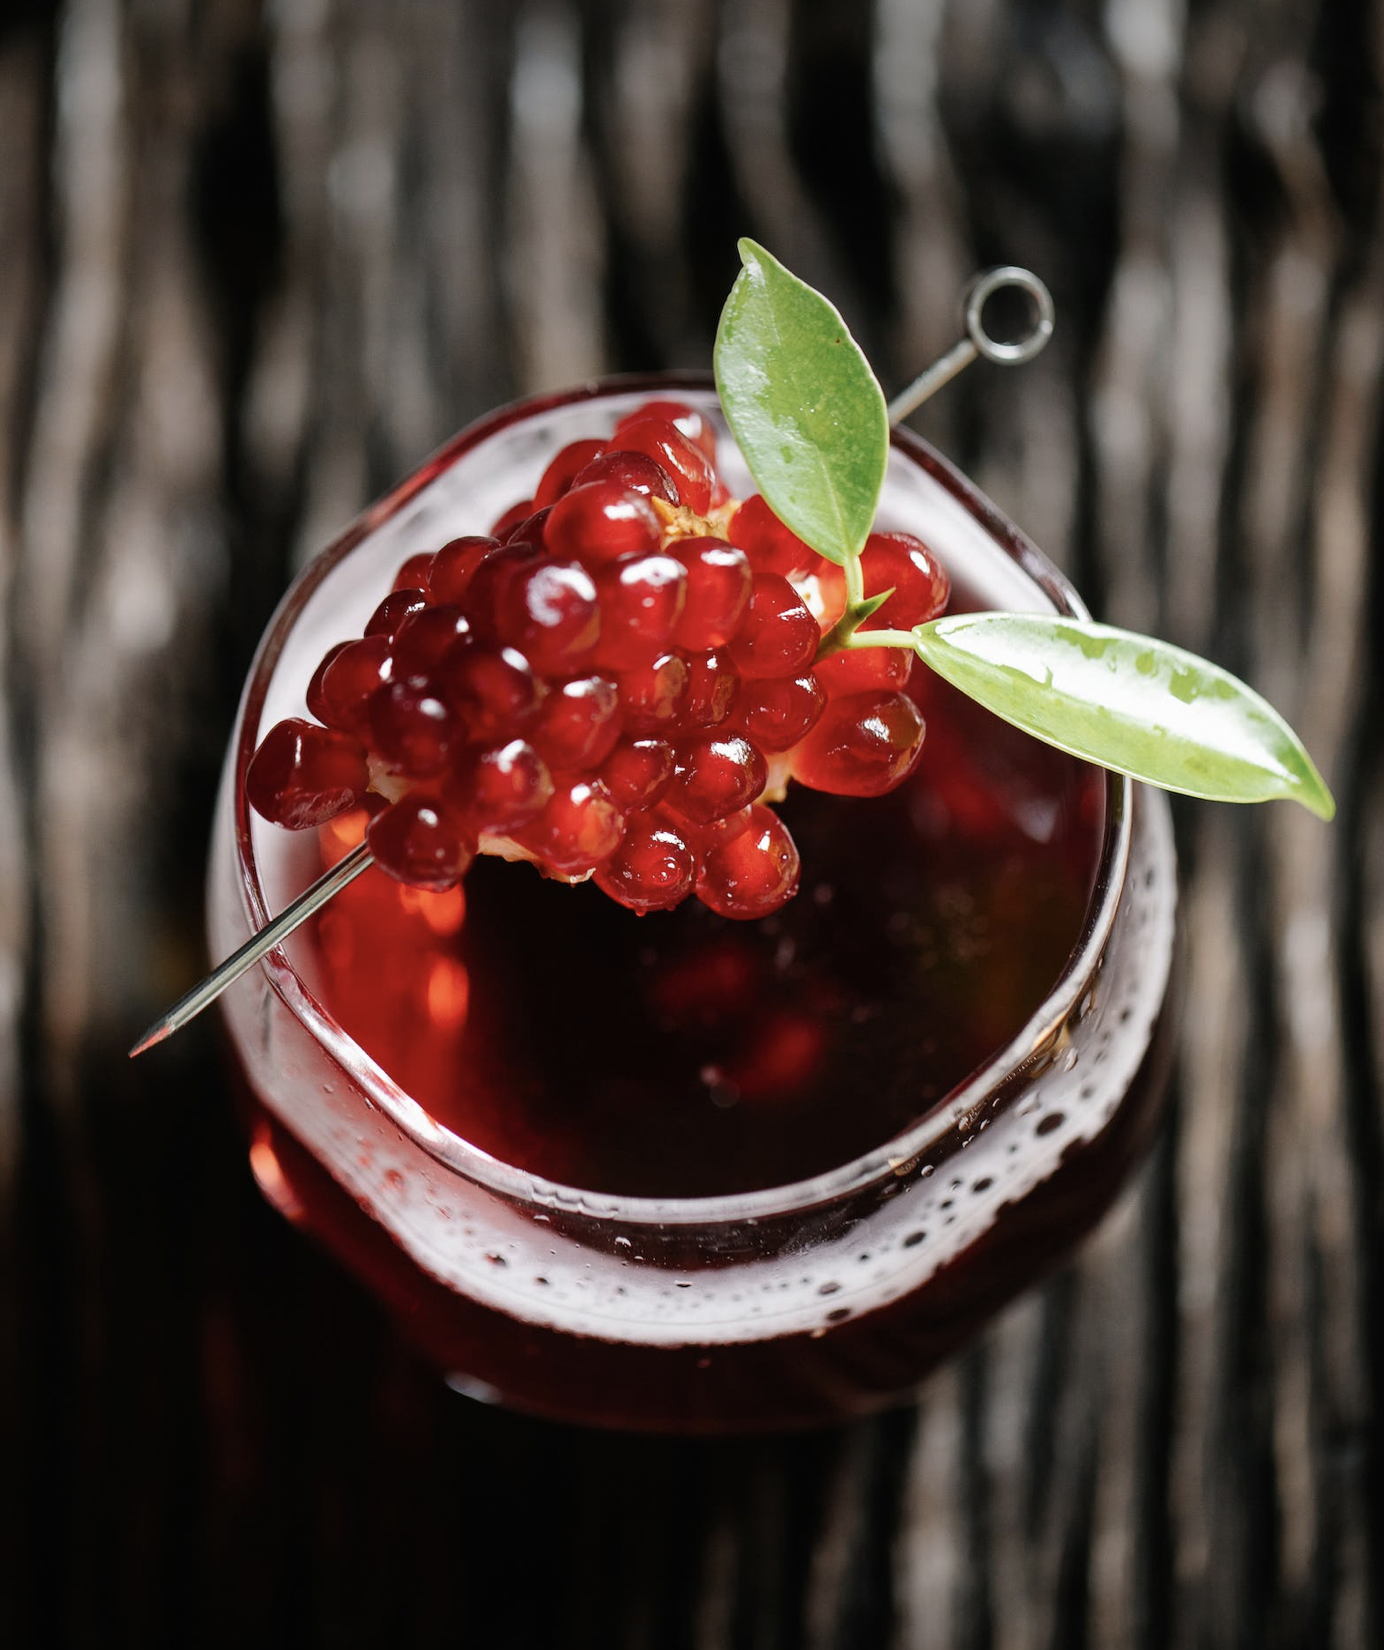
x=259, y=259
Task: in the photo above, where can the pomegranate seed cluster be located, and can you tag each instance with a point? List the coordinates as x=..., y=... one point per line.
x=616, y=682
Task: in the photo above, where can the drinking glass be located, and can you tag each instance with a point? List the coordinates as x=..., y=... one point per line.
x=772, y=1305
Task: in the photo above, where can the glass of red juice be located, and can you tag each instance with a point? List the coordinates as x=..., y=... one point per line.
x=676, y=1172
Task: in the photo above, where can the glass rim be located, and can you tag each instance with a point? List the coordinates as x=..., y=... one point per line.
x=891, y=1161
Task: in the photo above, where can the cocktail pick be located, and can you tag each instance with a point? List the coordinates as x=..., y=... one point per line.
x=976, y=343
x=258, y=945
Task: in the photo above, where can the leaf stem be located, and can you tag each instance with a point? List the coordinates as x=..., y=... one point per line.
x=855, y=581
x=881, y=638
x=858, y=609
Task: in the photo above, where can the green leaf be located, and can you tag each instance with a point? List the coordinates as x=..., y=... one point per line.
x=802, y=403
x=1127, y=702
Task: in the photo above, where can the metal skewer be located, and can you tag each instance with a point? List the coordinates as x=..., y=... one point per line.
x=976, y=343
x=258, y=945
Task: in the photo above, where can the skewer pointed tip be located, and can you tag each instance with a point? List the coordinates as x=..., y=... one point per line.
x=155, y=1034
x=310, y=900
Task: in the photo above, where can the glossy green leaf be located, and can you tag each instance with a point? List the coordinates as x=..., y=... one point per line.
x=1127, y=702
x=803, y=405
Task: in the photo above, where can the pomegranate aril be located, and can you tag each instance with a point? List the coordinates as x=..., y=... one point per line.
x=303, y=775
x=638, y=771
x=903, y=564
x=652, y=869
x=413, y=574
x=499, y=787
x=415, y=840
x=425, y=639
x=777, y=712
x=654, y=695
x=578, y=723
x=772, y=547
x=755, y=873
x=564, y=467
x=687, y=420
x=665, y=443
x=864, y=745
x=551, y=613
x=317, y=705
x=493, y=690
x=778, y=635
x=348, y=679
x=719, y=585
x=528, y=529
x=411, y=728
x=512, y=517
x=601, y=521
x=393, y=610
x=578, y=827
x=490, y=581
x=705, y=839
x=712, y=685
x=449, y=575
x=636, y=472
x=717, y=775
x=641, y=601
x=856, y=670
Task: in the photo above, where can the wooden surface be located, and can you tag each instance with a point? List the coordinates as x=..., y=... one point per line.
x=255, y=260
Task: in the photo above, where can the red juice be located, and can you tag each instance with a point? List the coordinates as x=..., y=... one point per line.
x=686, y=1173
x=683, y=1055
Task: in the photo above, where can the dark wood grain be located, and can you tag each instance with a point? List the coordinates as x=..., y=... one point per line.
x=256, y=260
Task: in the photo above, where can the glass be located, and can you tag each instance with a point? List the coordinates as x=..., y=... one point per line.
x=764, y=1307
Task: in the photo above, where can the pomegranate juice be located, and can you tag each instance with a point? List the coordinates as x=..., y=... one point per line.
x=681, y=1172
